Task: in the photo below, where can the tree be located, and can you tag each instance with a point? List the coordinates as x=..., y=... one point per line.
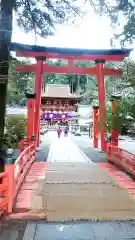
x=15, y=128
x=76, y=82
x=18, y=82
x=125, y=87
x=38, y=16
x=122, y=15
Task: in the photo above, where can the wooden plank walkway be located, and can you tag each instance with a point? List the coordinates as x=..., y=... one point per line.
x=77, y=192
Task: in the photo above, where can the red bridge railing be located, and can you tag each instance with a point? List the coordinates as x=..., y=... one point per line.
x=13, y=177
x=122, y=159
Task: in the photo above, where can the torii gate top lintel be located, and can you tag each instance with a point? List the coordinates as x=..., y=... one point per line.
x=70, y=53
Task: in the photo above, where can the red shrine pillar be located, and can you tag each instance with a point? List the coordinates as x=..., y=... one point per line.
x=38, y=136
x=38, y=89
x=101, y=99
x=30, y=115
x=115, y=119
x=95, y=126
x=30, y=120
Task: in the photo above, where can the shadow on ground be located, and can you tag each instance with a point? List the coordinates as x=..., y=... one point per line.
x=94, y=154
x=42, y=152
x=43, y=149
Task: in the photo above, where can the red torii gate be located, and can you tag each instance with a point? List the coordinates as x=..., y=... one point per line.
x=99, y=56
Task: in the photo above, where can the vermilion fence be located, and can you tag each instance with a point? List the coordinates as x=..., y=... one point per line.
x=122, y=159
x=4, y=196
x=13, y=177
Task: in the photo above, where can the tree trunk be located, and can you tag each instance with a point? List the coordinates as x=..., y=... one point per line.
x=5, y=42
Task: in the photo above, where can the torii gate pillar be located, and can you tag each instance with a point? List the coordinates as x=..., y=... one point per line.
x=95, y=126
x=30, y=115
x=38, y=89
x=101, y=99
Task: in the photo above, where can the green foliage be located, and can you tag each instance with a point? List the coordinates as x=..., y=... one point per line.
x=109, y=118
x=42, y=16
x=109, y=139
x=39, y=17
x=33, y=137
x=117, y=119
x=15, y=129
x=76, y=82
x=17, y=83
x=119, y=11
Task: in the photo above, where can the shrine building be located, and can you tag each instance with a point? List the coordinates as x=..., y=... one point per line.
x=58, y=104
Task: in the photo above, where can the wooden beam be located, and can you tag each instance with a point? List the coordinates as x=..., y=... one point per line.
x=91, y=57
x=71, y=69
x=26, y=68
x=57, y=69
x=112, y=72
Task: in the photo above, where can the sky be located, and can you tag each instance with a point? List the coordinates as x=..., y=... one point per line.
x=91, y=32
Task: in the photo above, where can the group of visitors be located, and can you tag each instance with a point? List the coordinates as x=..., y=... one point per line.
x=59, y=131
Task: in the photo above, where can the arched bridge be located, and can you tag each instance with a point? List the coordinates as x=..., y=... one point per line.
x=32, y=189
x=68, y=187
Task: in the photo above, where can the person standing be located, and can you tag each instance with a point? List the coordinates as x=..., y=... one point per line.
x=66, y=131
x=59, y=131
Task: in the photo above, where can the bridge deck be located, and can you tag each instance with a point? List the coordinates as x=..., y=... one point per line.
x=74, y=192
x=73, y=187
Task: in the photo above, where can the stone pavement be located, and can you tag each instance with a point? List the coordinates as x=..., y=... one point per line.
x=81, y=191
x=64, y=150
x=86, y=145
x=85, y=230
x=43, y=149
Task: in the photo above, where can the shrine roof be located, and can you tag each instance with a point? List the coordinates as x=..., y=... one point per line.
x=72, y=51
x=59, y=91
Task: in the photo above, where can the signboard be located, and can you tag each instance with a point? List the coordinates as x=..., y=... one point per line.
x=55, y=116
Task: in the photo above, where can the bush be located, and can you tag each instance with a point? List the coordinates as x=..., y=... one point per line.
x=15, y=129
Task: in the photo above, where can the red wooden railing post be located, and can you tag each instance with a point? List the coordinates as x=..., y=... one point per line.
x=95, y=126
x=9, y=169
x=115, y=120
x=38, y=89
x=101, y=99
